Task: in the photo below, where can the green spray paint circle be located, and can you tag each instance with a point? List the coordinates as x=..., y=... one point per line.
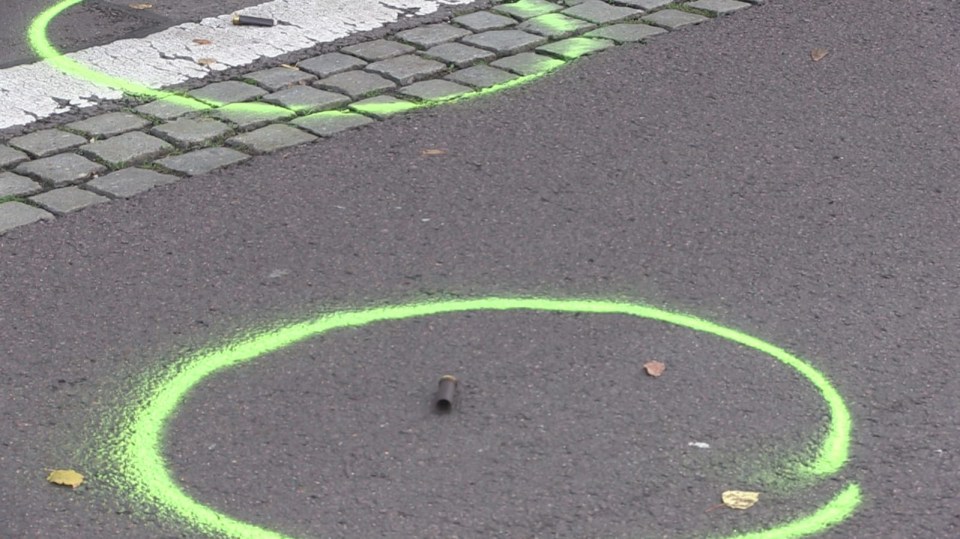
x=147, y=477
x=40, y=43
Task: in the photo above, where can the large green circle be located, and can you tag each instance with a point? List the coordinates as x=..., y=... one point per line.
x=146, y=476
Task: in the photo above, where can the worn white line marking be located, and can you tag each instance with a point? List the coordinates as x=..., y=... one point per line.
x=34, y=91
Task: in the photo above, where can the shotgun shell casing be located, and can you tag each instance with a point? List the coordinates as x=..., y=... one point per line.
x=247, y=20
x=446, y=392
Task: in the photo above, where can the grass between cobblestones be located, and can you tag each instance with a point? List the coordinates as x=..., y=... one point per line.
x=541, y=20
x=689, y=9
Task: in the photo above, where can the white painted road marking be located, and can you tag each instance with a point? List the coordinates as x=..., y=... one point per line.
x=34, y=91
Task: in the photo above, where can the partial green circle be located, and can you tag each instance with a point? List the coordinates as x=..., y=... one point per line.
x=40, y=43
x=146, y=476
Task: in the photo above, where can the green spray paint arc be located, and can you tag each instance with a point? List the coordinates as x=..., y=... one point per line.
x=142, y=463
x=40, y=43
x=147, y=477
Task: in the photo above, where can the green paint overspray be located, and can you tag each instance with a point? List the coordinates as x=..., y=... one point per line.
x=148, y=479
x=37, y=36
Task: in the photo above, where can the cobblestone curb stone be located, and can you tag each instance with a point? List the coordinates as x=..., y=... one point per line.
x=14, y=185
x=129, y=182
x=10, y=157
x=15, y=214
x=202, y=161
x=60, y=170
x=64, y=169
x=67, y=199
x=270, y=139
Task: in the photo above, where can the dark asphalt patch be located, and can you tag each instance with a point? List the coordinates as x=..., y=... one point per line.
x=553, y=436
x=100, y=23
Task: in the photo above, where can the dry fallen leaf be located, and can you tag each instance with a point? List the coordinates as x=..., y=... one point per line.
x=654, y=368
x=206, y=61
x=288, y=66
x=818, y=54
x=739, y=499
x=202, y=41
x=433, y=151
x=141, y=6
x=65, y=477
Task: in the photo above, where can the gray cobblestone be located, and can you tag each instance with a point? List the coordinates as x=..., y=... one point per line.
x=528, y=63
x=382, y=106
x=270, y=138
x=480, y=76
x=431, y=35
x=202, y=161
x=129, y=182
x=109, y=124
x=307, y=99
x=645, y=5
x=328, y=123
x=673, y=19
x=10, y=157
x=626, y=32
x=434, y=89
x=61, y=169
x=330, y=64
x=575, y=47
x=67, y=199
x=379, y=49
x=47, y=142
x=481, y=21
x=170, y=109
x=246, y=117
x=719, y=7
x=599, y=12
x=278, y=78
x=555, y=26
x=14, y=185
x=505, y=41
x=192, y=132
x=231, y=91
x=458, y=54
x=407, y=68
x=527, y=9
x=127, y=149
x=356, y=83
x=16, y=214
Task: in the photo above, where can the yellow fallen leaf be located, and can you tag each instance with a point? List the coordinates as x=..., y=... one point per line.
x=818, y=54
x=654, y=368
x=433, y=151
x=69, y=478
x=739, y=499
x=141, y=6
x=288, y=66
x=206, y=61
x=202, y=41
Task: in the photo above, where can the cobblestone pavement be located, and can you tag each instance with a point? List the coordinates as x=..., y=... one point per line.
x=54, y=171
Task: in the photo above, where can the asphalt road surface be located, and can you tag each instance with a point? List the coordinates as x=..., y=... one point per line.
x=97, y=22
x=718, y=171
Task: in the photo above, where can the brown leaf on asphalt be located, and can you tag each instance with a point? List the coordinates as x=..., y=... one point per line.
x=818, y=54
x=654, y=368
x=69, y=478
x=206, y=61
x=141, y=6
x=739, y=499
x=433, y=151
x=202, y=41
